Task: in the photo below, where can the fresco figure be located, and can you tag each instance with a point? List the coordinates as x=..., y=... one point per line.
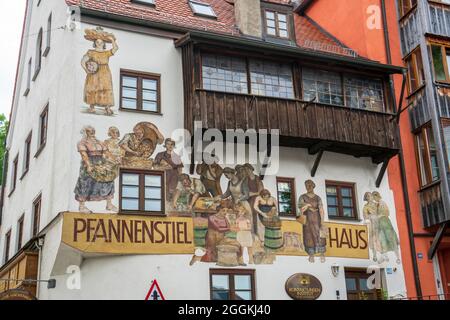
x=370, y=213
x=237, y=191
x=187, y=193
x=314, y=232
x=171, y=163
x=218, y=227
x=114, y=151
x=140, y=145
x=255, y=186
x=98, y=88
x=97, y=174
x=387, y=236
x=244, y=231
x=210, y=175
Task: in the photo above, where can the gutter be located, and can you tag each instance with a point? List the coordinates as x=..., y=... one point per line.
x=402, y=159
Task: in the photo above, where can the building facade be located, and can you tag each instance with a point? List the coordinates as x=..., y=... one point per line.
x=424, y=37
x=230, y=149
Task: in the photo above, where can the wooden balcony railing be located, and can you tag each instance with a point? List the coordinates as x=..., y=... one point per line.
x=339, y=129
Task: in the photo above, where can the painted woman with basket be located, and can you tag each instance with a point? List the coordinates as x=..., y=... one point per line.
x=97, y=173
x=98, y=88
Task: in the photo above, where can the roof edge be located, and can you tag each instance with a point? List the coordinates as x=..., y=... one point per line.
x=301, y=6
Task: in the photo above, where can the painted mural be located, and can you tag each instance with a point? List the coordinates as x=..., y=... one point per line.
x=98, y=87
x=237, y=226
x=382, y=235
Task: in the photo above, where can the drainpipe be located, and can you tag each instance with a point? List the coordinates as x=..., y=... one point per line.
x=401, y=157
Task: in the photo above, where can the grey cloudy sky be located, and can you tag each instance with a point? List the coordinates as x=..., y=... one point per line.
x=11, y=21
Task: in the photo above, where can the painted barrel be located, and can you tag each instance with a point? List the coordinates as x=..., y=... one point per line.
x=273, y=238
x=200, y=236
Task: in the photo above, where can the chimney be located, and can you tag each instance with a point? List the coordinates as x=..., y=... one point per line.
x=248, y=17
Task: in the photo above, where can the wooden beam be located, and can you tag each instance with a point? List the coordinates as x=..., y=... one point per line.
x=316, y=163
x=437, y=240
x=267, y=158
x=319, y=147
x=382, y=173
x=192, y=166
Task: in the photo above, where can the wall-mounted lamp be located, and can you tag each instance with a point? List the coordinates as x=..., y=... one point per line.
x=335, y=269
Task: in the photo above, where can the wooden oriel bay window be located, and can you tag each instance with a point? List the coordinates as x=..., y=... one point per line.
x=140, y=91
x=232, y=284
x=142, y=191
x=341, y=200
x=269, y=78
x=426, y=155
x=416, y=74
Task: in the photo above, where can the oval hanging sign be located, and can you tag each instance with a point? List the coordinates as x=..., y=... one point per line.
x=302, y=286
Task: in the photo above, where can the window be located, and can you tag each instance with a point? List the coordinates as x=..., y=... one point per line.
x=7, y=245
x=26, y=159
x=364, y=93
x=286, y=196
x=202, y=9
x=49, y=36
x=328, y=88
x=140, y=91
x=416, y=74
x=441, y=62
x=38, y=58
x=27, y=90
x=37, y=207
x=20, y=232
x=14, y=167
x=224, y=73
x=427, y=156
x=230, y=74
x=323, y=86
x=271, y=79
x=43, y=126
x=232, y=284
x=446, y=127
x=276, y=24
x=142, y=192
x=406, y=5
x=341, y=200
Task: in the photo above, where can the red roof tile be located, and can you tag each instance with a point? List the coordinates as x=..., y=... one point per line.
x=179, y=13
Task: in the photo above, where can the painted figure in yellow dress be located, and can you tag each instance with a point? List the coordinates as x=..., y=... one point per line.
x=98, y=88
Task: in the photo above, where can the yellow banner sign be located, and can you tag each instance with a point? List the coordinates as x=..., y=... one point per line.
x=100, y=233
x=343, y=240
x=128, y=234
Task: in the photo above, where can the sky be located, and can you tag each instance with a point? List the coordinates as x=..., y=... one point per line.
x=11, y=21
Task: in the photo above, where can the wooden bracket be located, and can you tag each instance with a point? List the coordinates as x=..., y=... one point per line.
x=316, y=163
x=314, y=149
x=306, y=104
x=382, y=172
x=267, y=158
x=437, y=240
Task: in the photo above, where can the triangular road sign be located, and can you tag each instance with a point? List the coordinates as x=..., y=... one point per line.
x=155, y=292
